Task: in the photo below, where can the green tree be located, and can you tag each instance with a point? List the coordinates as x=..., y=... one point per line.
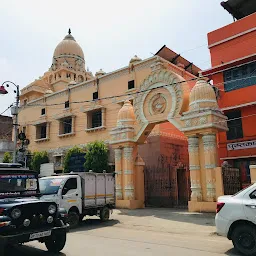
x=96, y=158
x=70, y=152
x=38, y=159
x=7, y=157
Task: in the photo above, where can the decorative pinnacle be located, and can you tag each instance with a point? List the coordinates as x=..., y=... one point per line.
x=69, y=31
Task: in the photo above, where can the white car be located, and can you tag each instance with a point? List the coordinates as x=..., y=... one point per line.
x=236, y=219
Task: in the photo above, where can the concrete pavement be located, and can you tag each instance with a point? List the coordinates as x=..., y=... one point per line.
x=167, y=220
x=141, y=232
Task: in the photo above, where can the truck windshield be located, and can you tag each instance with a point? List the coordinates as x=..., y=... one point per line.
x=17, y=184
x=49, y=186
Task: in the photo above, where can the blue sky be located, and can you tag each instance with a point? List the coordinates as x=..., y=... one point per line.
x=109, y=32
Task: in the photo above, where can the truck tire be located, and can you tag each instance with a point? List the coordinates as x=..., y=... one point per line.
x=81, y=217
x=104, y=214
x=55, y=243
x=244, y=239
x=73, y=219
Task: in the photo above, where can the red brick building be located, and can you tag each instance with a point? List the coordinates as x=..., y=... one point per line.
x=233, y=72
x=6, y=144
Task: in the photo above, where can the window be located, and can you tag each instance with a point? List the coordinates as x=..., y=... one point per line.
x=25, y=102
x=66, y=125
x=130, y=84
x=43, y=111
x=57, y=161
x=234, y=125
x=240, y=77
x=66, y=104
x=70, y=184
x=253, y=194
x=95, y=95
x=41, y=131
x=94, y=119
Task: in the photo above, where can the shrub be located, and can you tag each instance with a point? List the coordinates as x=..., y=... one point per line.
x=96, y=158
x=39, y=158
x=7, y=157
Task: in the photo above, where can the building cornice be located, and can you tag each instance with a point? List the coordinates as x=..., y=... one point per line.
x=234, y=63
x=232, y=37
x=111, y=75
x=239, y=106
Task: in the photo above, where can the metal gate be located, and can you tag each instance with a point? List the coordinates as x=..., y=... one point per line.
x=231, y=180
x=183, y=187
x=161, y=185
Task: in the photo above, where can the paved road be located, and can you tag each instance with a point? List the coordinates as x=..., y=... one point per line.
x=96, y=239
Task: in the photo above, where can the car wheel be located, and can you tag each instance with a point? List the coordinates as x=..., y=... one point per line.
x=55, y=243
x=244, y=239
x=104, y=213
x=73, y=219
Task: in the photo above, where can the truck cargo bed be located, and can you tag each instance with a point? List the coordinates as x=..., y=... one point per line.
x=98, y=189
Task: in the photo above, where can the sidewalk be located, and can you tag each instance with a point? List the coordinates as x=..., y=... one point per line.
x=173, y=221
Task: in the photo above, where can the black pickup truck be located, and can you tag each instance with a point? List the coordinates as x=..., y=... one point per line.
x=23, y=216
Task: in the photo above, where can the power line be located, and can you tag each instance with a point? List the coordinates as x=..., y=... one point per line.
x=116, y=96
x=138, y=92
x=195, y=48
x=114, y=122
x=6, y=109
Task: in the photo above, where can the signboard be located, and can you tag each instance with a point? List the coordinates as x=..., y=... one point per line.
x=241, y=145
x=76, y=163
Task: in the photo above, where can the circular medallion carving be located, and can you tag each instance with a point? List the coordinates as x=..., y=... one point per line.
x=158, y=104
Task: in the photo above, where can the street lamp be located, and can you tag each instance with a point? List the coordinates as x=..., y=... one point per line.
x=14, y=110
x=2, y=90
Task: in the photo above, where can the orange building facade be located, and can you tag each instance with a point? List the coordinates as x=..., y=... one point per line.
x=233, y=58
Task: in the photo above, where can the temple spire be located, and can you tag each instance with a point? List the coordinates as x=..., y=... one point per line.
x=69, y=31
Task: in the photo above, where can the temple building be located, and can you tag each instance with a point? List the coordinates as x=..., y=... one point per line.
x=142, y=111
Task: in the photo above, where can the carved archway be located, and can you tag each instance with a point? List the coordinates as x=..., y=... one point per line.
x=163, y=96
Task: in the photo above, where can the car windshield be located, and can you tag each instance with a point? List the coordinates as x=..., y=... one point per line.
x=17, y=184
x=49, y=186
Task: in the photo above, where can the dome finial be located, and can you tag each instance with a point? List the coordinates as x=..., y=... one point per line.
x=69, y=31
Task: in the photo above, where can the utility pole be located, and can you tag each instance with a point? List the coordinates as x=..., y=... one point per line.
x=16, y=124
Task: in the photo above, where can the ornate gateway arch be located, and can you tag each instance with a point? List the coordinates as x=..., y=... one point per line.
x=165, y=96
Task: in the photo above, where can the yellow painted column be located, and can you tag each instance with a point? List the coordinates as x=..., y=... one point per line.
x=210, y=159
x=194, y=167
x=253, y=173
x=118, y=170
x=128, y=173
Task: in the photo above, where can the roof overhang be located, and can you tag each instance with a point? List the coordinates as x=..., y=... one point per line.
x=175, y=58
x=239, y=8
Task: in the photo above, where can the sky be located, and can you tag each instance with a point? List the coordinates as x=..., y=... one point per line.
x=109, y=32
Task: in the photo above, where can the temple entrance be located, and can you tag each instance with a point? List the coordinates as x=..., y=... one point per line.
x=161, y=177
x=159, y=185
x=166, y=172
x=163, y=189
